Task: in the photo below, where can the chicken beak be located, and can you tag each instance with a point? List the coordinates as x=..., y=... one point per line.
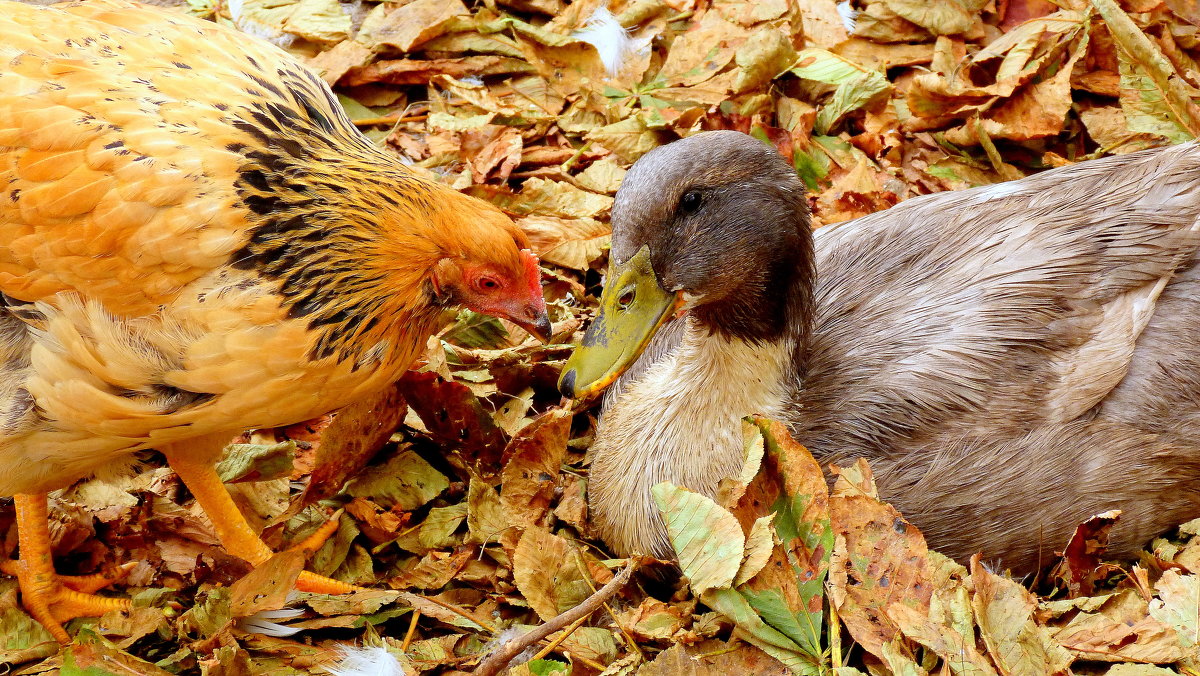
x=539, y=325
x=633, y=307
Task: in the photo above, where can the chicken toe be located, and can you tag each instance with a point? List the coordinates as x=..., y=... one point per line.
x=193, y=467
x=51, y=598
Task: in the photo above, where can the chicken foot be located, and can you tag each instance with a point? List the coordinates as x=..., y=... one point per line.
x=196, y=468
x=50, y=598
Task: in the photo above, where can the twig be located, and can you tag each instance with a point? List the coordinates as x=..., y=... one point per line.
x=835, y=635
x=513, y=647
x=566, y=166
x=387, y=119
x=588, y=579
x=412, y=629
x=562, y=636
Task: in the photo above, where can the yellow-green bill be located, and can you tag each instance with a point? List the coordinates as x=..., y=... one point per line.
x=632, y=308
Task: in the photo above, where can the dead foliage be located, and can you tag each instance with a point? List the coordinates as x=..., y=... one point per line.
x=464, y=511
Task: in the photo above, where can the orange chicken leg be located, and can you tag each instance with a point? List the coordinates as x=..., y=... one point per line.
x=197, y=470
x=50, y=598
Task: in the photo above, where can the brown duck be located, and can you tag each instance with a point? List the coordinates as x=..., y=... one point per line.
x=1011, y=359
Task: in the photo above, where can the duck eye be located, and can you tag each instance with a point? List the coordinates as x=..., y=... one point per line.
x=625, y=299
x=690, y=201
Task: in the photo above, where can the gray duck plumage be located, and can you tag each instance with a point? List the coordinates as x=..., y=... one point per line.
x=1011, y=359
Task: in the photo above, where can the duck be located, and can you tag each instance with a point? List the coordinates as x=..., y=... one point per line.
x=1010, y=359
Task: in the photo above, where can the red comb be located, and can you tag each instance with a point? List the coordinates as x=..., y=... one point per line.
x=533, y=274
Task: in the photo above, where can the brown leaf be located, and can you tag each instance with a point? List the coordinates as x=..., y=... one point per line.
x=572, y=506
x=377, y=524
x=454, y=416
x=823, y=26
x=1004, y=611
x=356, y=434
x=492, y=148
x=412, y=24
x=1122, y=630
x=703, y=51
x=879, y=559
x=420, y=71
x=434, y=570
x=333, y=63
x=126, y=627
x=654, y=620
x=948, y=628
x=681, y=660
x=530, y=474
x=879, y=57
x=1080, y=567
x=546, y=572
x=570, y=242
x=266, y=586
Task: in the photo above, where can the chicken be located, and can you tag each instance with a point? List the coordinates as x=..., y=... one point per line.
x=195, y=240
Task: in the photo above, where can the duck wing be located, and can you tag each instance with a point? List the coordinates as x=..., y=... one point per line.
x=1001, y=308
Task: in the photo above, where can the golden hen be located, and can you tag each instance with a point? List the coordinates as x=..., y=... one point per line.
x=195, y=240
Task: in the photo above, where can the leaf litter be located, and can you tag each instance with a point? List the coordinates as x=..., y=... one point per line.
x=458, y=495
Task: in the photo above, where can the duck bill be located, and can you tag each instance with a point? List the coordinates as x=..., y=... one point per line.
x=633, y=307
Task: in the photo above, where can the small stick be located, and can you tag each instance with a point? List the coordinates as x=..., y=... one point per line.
x=835, y=635
x=387, y=119
x=566, y=166
x=510, y=649
x=412, y=629
x=561, y=637
x=625, y=632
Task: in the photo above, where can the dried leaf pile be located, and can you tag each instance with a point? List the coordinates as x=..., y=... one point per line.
x=458, y=496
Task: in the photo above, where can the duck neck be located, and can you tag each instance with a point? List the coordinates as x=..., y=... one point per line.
x=680, y=421
x=774, y=302
x=677, y=415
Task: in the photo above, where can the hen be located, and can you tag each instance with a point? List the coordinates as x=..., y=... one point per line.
x=195, y=240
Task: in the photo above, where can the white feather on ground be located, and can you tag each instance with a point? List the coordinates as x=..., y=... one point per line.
x=611, y=40
x=848, y=14
x=261, y=622
x=372, y=661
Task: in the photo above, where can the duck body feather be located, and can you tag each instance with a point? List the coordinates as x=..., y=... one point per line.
x=1011, y=359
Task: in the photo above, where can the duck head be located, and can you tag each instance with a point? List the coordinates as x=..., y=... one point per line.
x=715, y=226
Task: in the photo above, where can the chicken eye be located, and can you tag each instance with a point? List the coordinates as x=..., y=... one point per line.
x=487, y=284
x=690, y=201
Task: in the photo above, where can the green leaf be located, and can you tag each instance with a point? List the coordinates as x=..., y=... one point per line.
x=803, y=526
x=707, y=539
x=548, y=667
x=733, y=604
x=856, y=86
x=849, y=97
x=406, y=480
x=1155, y=99
x=812, y=167
x=256, y=462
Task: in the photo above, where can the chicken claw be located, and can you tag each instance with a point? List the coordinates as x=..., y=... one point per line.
x=50, y=598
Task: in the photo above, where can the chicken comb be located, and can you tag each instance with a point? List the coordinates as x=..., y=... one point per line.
x=533, y=274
